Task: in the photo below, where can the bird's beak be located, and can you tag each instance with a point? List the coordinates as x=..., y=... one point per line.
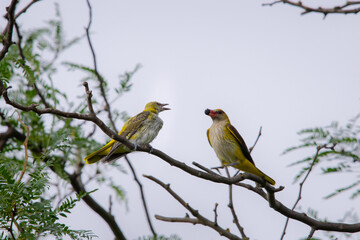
x=209, y=112
x=163, y=108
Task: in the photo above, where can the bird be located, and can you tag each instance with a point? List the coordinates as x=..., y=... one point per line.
x=229, y=146
x=139, y=130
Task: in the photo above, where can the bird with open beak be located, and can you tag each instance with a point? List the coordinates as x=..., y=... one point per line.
x=139, y=130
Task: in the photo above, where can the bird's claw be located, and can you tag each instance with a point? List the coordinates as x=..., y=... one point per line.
x=135, y=147
x=151, y=148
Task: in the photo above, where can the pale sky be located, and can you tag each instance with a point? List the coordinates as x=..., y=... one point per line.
x=264, y=66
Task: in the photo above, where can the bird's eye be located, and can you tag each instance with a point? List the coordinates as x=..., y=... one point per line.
x=219, y=112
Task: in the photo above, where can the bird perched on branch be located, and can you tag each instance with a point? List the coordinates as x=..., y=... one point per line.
x=139, y=130
x=229, y=146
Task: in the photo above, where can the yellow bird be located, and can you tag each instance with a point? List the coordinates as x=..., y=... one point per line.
x=139, y=130
x=229, y=146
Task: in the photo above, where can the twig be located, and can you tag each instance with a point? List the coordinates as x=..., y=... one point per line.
x=98, y=76
x=25, y=8
x=339, y=9
x=203, y=168
x=142, y=197
x=13, y=213
x=311, y=234
x=7, y=34
x=215, y=213
x=76, y=183
x=301, y=186
x=21, y=53
x=257, y=139
x=200, y=219
x=231, y=206
x=110, y=204
x=174, y=219
x=25, y=147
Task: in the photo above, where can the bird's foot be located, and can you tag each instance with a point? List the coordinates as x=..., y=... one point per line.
x=231, y=164
x=135, y=146
x=151, y=148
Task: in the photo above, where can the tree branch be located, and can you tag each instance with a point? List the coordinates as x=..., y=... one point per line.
x=201, y=219
x=26, y=8
x=232, y=209
x=25, y=148
x=339, y=9
x=76, y=183
x=142, y=197
x=257, y=139
x=7, y=34
x=318, y=149
x=98, y=76
x=270, y=197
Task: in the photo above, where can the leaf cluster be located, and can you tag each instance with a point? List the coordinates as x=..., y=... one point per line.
x=338, y=152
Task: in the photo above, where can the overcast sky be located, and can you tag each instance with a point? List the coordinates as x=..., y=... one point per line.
x=264, y=66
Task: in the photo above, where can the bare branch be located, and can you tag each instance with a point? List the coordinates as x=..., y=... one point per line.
x=183, y=220
x=257, y=139
x=215, y=213
x=7, y=34
x=231, y=206
x=201, y=219
x=98, y=76
x=311, y=234
x=339, y=9
x=203, y=168
x=76, y=183
x=142, y=196
x=302, y=184
x=26, y=8
x=25, y=147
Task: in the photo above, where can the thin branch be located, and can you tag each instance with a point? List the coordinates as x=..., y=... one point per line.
x=7, y=34
x=21, y=53
x=231, y=206
x=11, y=132
x=301, y=186
x=215, y=213
x=25, y=147
x=98, y=76
x=13, y=213
x=257, y=139
x=182, y=220
x=339, y=9
x=142, y=196
x=311, y=234
x=26, y=8
x=76, y=183
x=110, y=204
x=203, y=168
x=201, y=219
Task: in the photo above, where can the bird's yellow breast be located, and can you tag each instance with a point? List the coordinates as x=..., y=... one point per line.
x=224, y=144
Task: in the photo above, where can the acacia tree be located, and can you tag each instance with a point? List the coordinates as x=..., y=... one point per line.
x=56, y=151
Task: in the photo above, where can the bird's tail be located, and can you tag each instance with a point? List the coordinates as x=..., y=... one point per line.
x=254, y=170
x=99, y=154
x=269, y=179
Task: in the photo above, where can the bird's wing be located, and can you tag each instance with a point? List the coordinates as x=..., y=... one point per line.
x=129, y=129
x=241, y=142
x=133, y=124
x=208, y=136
